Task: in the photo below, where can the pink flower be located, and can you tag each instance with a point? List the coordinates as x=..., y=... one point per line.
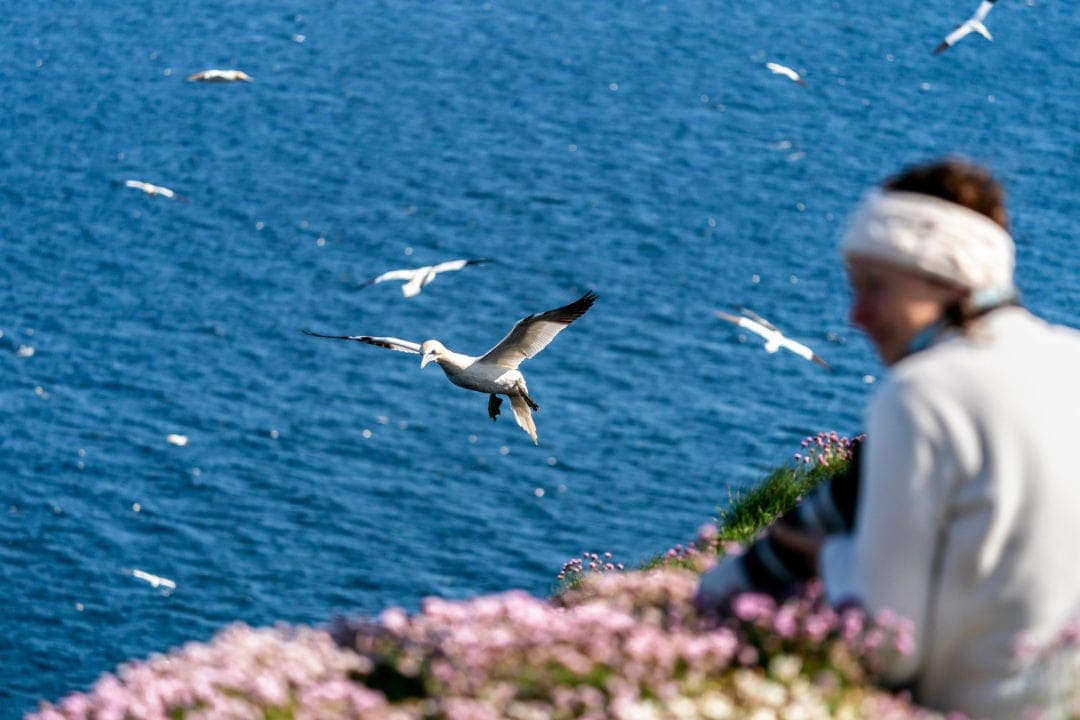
x=394, y=619
x=747, y=656
x=751, y=606
x=785, y=623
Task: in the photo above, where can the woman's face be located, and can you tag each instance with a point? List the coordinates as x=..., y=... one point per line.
x=892, y=304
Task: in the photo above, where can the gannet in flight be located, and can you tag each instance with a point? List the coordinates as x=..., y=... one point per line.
x=417, y=278
x=153, y=190
x=972, y=24
x=496, y=371
x=774, y=339
x=787, y=72
x=220, y=76
x=154, y=580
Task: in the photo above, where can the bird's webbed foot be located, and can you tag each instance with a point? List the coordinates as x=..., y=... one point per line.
x=494, y=403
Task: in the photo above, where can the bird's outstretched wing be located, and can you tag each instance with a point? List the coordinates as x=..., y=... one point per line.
x=458, y=264
x=404, y=274
x=956, y=35
x=805, y=352
x=390, y=343
x=734, y=319
x=820, y=361
x=747, y=312
x=532, y=334
x=984, y=9
x=750, y=324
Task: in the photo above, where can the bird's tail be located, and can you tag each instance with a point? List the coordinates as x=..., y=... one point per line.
x=981, y=29
x=523, y=416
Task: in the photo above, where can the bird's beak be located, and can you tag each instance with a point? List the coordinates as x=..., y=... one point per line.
x=426, y=359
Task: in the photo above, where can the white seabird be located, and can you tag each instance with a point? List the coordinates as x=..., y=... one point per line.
x=496, y=371
x=774, y=339
x=153, y=190
x=417, y=278
x=215, y=75
x=154, y=580
x=972, y=24
x=787, y=72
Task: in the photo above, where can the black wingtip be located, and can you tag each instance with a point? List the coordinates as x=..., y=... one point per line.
x=572, y=311
x=586, y=301
x=312, y=333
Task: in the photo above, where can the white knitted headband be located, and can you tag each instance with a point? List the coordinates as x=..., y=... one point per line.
x=935, y=236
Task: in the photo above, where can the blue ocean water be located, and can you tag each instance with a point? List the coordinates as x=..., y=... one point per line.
x=640, y=149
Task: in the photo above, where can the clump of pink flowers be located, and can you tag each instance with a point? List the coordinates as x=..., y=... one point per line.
x=282, y=672
x=589, y=562
x=826, y=449
x=627, y=645
x=616, y=645
x=698, y=555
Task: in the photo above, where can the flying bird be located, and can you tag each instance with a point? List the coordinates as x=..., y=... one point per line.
x=417, y=278
x=774, y=339
x=220, y=76
x=972, y=24
x=153, y=190
x=496, y=371
x=154, y=580
x=787, y=72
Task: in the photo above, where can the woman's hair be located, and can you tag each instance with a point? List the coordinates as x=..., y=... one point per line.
x=958, y=181
x=966, y=184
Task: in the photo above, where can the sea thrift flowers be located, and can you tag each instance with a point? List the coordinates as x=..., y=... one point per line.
x=243, y=672
x=617, y=645
x=826, y=449
x=622, y=645
x=574, y=568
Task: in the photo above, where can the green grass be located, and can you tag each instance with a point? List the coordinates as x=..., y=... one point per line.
x=750, y=512
x=747, y=513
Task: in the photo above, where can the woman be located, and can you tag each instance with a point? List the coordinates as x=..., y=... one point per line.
x=968, y=513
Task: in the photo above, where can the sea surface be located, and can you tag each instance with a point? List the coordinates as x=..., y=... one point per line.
x=640, y=149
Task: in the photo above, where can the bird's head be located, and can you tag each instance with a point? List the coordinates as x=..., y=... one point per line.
x=431, y=350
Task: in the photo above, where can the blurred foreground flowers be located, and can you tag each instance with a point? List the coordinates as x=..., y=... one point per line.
x=627, y=645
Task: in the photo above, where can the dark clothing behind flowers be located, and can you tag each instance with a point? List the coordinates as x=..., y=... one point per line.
x=829, y=508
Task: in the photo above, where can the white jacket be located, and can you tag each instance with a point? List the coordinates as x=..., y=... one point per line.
x=968, y=520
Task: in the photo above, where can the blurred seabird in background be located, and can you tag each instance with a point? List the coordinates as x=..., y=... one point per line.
x=417, y=278
x=220, y=76
x=774, y=339
x=153, y=190
x=787, y=72
x=972, y=24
